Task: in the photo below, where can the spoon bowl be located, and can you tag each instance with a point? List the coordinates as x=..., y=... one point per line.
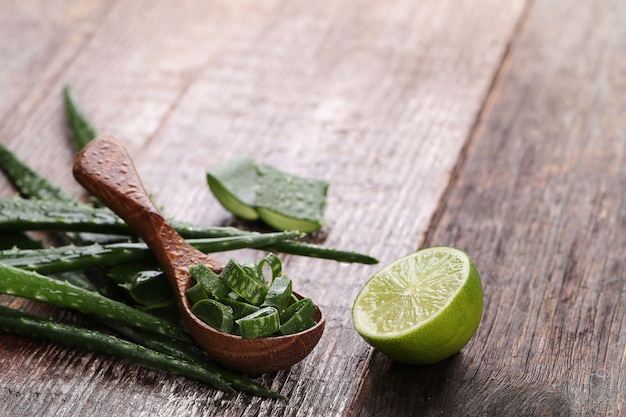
x=106, y=170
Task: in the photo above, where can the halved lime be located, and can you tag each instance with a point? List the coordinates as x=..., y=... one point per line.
x=421, y=308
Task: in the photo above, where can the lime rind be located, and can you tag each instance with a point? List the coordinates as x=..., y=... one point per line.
x=423, y=307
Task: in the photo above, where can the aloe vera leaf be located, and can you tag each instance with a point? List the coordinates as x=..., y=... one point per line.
x=28, y=181
x=27, y=284
x=32, y=326
x=21, y=214
x=18, y=213
x=179, y=350
x=322, y=252
x=293, y=247
x=25, y=214
x=18, y=239
x=284, y=201
x=33, y=185
x=187, y=353
x=82, y=129
x=72, y=258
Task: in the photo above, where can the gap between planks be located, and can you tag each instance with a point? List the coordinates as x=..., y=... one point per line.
x=477, y=128
x=490, y=99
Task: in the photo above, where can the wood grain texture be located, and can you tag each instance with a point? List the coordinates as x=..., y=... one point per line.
x=379, y=98
x=539, y=204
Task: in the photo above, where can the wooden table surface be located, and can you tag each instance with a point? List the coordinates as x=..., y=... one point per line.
x=498, y=127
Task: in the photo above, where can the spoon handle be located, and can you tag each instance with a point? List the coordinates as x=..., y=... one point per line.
x=106, y=170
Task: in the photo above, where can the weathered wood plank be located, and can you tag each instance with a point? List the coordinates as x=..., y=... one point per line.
x=326, y=114
x=539, y=203
x=376, y=97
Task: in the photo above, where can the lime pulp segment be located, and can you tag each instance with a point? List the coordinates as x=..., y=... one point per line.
x=411, y=291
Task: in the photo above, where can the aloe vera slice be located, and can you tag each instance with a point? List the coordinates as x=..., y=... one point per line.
x=240, y=309
x=196, y=293
x=209, y=280
x=258, y=308
x=215, y=314
x=273, y=263
x=279, y=293
x=263, y=322
x=233, y=183
x=298, y=317
x=244, y=282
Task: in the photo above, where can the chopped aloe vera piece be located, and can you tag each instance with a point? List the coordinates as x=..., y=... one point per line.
x=298, y=318
x=263, y=322
x=296, y=324
x=253, y=271
x=240, y=308
x=233, y=183
x=244, y=282
x=279, y=293
x=196, y=293
x=290, y=202
x=215, y=314
x=304, y=304
x=274, y=264
x=257, y=309
x=211, y=282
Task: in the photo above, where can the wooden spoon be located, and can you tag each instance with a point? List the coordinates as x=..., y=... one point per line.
x=105, y=169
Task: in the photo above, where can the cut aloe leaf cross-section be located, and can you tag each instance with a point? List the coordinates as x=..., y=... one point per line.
x=290, y=202
x=233, y=183
x=259, y=191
